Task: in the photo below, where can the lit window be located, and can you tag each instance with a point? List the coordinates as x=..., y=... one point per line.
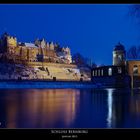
x=110, y=71
x=98, y=72
x=119, y=70
x=120, y=57
x=114, y=55
x=93, y=73
x=135, y=69
x=102, y=72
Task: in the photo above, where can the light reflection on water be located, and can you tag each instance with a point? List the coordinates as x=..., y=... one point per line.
x=69, y=108
x=41, y=108
x=109, y=101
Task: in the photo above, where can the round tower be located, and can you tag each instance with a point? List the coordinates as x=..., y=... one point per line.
x=119, y=55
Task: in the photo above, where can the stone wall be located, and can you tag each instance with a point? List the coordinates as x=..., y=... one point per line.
x=36, y=64
x=130, y=66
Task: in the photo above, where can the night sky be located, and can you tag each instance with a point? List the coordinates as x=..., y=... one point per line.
x=90, y=29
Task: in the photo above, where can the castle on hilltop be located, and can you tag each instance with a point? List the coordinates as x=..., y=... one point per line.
x=40, y=51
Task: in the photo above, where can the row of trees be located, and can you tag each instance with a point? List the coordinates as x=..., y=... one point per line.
x=132, y=53
x=134, y=11
x=83, y=61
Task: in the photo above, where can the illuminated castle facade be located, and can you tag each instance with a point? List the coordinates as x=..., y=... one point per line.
x=40, y=51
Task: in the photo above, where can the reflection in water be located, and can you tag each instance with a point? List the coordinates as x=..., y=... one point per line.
x=117, y=102
x=69, y=108
x=123, y=108
x=109, y=101
x=42, y=108
x=135, y=103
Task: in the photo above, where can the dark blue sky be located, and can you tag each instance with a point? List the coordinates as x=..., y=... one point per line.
x=91, y=29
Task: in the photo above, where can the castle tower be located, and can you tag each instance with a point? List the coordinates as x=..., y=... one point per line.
x=52, y=46
x=11, y=41
x=69, y=57
x=37, y=42
x=43, y=43
x=3, y=43
x=8, y=43
x=119, y=55
x=11, y=44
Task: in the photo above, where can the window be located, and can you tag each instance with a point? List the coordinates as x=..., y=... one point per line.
x=98, y=72
x=114, y=55
x=119, y=70
x=93, y=73
x=120, y=57
x=110, y=71
x=102, y=72
x=135, y=69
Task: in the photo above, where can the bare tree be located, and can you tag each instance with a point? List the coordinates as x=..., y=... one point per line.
x=135, y=10
x=83, y=61
x=138, y=51
x=78, y=59
x=94, y=65
x=133, y=52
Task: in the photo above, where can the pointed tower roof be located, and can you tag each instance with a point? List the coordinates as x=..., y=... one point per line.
x=119, y=47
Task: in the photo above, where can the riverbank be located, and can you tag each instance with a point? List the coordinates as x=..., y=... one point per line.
x=45, y=84
x=46, y=71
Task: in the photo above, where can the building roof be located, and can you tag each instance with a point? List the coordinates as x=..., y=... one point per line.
x=30, y=45
x=119, y=47
x=107, y=66
x=133, y=60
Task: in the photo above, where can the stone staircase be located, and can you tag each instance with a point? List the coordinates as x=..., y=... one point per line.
x=62, y=74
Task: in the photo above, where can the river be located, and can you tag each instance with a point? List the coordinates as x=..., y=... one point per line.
x=69, y=108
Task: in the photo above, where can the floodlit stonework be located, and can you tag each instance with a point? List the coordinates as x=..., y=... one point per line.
x=39, y=60
x=39, y=51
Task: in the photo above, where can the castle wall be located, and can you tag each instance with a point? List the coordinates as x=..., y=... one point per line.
x=130, y=66
x=17, y=50
x=133, y=68
x=24, y=56
x=40, y=51
x=38, y=64
x=32, y=54
x=50, y=53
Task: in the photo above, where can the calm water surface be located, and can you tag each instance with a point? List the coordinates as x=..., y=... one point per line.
x=69, y=108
